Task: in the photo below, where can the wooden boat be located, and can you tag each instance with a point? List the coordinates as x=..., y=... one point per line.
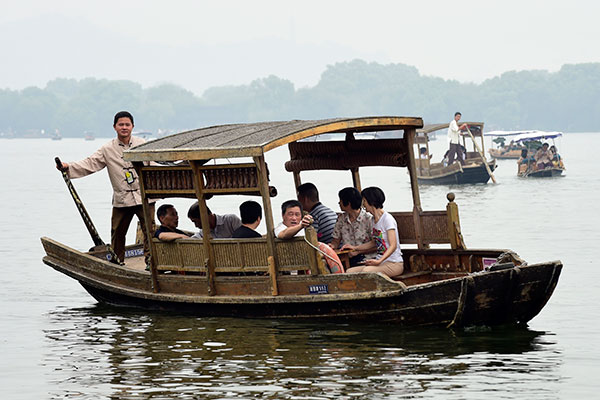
x=267, y=277
x=510, y=151
x=473, y=171
x=528, y=168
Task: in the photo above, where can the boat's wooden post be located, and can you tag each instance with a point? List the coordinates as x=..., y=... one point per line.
x=456, y=241
x=273, y=275
x=297, y=180
x=263, y=181
x=316, y=262
x=356, y=178
x=148, y=218
x=409, y=136
x=206, y=238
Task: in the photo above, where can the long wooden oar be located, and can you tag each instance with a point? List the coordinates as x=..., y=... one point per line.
x=487, y=167
x=98, y=242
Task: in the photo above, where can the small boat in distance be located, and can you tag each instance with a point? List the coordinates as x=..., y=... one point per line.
x=503, y=151
x=528, y=165
x=473, y=170
x=56, y=135
x=266, y=277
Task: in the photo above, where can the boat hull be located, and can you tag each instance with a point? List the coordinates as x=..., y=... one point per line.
x=468, y=175
x=544, y=173
x=513, y=295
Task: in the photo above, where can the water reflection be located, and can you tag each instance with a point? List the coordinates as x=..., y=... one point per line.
x=100, y=351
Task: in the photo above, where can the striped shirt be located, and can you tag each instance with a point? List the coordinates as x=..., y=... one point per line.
x=324, y=222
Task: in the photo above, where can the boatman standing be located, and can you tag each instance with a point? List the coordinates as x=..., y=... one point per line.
x=127, y=199
x=454, y=134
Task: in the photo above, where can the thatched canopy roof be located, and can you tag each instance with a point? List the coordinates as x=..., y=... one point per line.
x=254, y=139
x=436, y=127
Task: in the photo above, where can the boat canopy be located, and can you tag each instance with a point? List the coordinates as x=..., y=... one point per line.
x=536, y=135
x=429, y=128
x=523, y=134
x=255, y=139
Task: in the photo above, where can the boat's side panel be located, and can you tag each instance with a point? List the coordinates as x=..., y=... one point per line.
x=469, y=175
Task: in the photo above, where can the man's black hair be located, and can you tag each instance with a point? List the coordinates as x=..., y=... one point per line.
x=250, y=212
x=194, y=211
x=350, y=195
x=374, y=196
x=457, y=113
x=290, y=204
x=123, y=114
x=162, y=210
x=308, y=191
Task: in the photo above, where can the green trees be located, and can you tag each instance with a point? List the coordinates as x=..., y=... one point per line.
x=565, y=100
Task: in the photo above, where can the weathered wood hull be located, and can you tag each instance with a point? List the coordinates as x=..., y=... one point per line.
x=513, y=295
x=468, y=175
x=544, y=173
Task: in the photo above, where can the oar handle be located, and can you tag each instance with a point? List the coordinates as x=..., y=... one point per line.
x=58, y=163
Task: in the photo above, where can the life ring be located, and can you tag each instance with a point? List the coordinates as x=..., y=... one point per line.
x=334, y=264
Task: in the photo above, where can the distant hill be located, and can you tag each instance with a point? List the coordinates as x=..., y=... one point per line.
x=567, y=100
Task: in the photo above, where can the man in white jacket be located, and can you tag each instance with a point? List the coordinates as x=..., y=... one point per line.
x=454, y=134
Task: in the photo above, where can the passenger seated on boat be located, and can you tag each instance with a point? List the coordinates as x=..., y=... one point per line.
x=556, y=159
x=251, y=213
x=323, y=217
x=293, y=221
x=353, y=227
x=523, y=162
x=445, y=159
x=167, y=231
x=384, y=237
x=423, y=154
x=543, y=157
x=221, y=226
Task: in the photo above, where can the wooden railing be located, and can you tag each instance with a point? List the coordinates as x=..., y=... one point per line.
x=231, y=255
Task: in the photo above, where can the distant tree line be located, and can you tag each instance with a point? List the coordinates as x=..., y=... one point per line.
x=566, y=100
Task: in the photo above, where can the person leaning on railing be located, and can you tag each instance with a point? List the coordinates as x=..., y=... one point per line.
x=169, y=219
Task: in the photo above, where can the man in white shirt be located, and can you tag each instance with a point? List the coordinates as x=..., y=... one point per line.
x=221, y=226
x=454, y=134
x=293, y=221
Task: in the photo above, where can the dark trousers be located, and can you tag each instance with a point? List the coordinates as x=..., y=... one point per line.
x=120, y=221
x=455, y=151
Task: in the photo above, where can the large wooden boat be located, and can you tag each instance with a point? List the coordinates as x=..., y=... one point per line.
x=267, y=277
x=472, y=171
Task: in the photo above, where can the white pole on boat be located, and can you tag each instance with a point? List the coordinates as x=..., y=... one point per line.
x=487, y=167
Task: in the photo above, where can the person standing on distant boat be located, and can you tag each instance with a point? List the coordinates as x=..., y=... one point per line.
x=454, y=134
x=127, y=198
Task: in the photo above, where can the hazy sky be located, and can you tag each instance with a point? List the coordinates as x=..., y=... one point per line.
x=199, y=44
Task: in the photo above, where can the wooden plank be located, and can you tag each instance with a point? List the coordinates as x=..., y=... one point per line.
x=263, y=180
x=356, y=179
x=206, y=239
x=148, y=218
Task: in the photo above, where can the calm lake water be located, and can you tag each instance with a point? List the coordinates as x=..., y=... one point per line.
x=57, y=342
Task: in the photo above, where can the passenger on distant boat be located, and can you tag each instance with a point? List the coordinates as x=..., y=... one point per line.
x=251, y=213
x=293, y=221
x=169, y=219
x=353, y=227
x=324, y=217
x=127, y=199
x=556, y=159
x=523, y=164
x=423, y=154
x=385, y=237
x=221, y=226
x=543, y=157
x=454, y=134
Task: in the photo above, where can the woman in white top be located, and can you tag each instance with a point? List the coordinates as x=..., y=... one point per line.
x=385, y=237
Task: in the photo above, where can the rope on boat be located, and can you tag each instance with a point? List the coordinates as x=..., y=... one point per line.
x=462, y=301
x=324, y=254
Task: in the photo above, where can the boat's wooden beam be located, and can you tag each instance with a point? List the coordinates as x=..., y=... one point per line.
x=149, y=227
x=409, y=136
x=206, y=239
x=356, y=179
x=263, y=183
